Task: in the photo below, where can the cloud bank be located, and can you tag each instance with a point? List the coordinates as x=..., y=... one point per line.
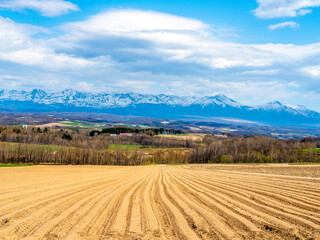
x=145, y=51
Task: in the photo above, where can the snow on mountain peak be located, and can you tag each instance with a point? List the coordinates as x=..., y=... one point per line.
x=300, y=108
x=70, y=97
x=278, y=106
x=219, y=99
x=37, y=93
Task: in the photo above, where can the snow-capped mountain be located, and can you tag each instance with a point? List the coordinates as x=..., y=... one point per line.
x=306, y=112
x=276, y=107
x=162, y=106
x=273, y=106
x=219, y=99
x=100, y=100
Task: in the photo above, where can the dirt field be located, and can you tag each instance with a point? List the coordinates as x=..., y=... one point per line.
x=160, y=202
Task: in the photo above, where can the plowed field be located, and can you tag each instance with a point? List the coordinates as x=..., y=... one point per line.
x=160, y=202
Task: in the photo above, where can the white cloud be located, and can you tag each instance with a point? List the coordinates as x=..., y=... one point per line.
x=84, y=86
x=45, y=58
x=49, y=8
x=141, y=35
x=312, y=71
x=17, y=45
x=153, y=52
x=303, y=12
x=252, y=91
x=283, y=25
x=118, y=21
x=16, y=36
x=173, y=39
x=267, y=72
x=284, y=8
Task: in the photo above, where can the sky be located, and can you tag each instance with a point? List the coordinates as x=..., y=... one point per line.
x=254, y=51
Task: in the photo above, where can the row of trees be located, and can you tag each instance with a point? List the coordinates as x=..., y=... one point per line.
x=60, y=137
x=254, y=150
x=147, y=131
x=35, y=154
x=85, y=139
x=56, y=146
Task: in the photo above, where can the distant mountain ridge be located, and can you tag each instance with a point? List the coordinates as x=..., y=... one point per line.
x=162, y=106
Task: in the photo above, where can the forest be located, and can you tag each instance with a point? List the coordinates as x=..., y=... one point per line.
x=84, y=147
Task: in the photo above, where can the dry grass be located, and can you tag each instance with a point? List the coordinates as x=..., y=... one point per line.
x=49, y=125
x=191, y=137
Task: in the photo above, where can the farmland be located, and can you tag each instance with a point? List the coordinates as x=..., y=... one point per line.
x=160, y=202
x=124, y=146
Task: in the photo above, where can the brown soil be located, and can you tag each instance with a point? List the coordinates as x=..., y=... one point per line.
x=160, y=202
x=312, y=170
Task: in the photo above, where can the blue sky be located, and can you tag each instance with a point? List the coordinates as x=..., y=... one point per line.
x=254, y=51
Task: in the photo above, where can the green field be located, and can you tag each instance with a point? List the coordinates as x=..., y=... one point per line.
x=76, y=124
x=15, y=147
x=125, y=146
x=316, y=150
x=14, y=165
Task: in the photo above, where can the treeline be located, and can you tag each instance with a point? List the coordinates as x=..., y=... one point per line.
x=147, y=131
x=85, y=139
x=165, y=142
x=62, y=146
x=35, y=154
x=255, y=150
x=315, y=141
x=60, y=137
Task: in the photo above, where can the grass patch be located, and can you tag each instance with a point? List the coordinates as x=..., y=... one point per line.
x=316, y=150
x=125, y=146
x=75, y=124
x=15, y=165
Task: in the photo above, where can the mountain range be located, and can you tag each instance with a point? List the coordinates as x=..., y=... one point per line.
x=149, y=105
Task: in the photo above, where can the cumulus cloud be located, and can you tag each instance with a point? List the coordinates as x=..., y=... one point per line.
x=293, y=25
x=17, y=45
x=284, y=8
x=16, y=36
x=172, y=39
x=49, y=8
